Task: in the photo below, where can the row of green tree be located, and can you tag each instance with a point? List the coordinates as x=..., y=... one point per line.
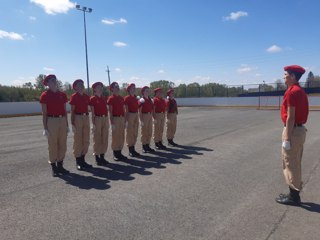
x=31, y=92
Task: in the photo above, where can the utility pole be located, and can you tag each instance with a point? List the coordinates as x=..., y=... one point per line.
x=108, y=71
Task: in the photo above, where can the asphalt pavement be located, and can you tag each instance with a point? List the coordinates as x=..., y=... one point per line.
x=220, y=183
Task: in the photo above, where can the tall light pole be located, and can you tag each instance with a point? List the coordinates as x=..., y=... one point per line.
x=108, y=71
x=85, y=10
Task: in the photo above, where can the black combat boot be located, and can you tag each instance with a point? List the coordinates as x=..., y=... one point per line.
x=158, y=147
x=122, y=157
x=79, y=164
x=162, y=146
x=149, y=148
x=171, y=142
x=54, y=170
x=61, y=169
x=84, y=163
x=132, y=152
x=145, y=149
x=293, y=198
x=103, y=160
x=116, y=155
x=136, y=153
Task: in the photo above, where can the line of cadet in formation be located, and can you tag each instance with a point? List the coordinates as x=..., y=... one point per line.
x=123, y=113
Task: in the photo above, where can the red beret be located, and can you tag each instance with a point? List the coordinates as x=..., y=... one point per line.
x=130, y=85
x=295, y=68
x=113, y=85
x=157, y=89
x=76, y=82
x=97, y=84
x=144, y=88
x=170, y=91
x=47, y=78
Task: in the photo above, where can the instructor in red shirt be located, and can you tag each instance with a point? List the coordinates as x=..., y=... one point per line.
x=294, y=114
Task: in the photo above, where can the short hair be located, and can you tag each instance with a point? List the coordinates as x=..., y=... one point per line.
x=296, y=74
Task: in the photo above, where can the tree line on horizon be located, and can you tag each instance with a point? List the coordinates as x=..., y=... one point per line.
x=31, y=91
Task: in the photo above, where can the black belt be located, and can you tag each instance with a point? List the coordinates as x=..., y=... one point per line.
x=56, y=116
x=297, y=125
x=118, y=115
x=100, y=115
x=146, y=112
x=159, y=112
x=132, y=112
x=83, y=114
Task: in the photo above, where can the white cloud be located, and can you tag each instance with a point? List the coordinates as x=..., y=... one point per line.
x=274, y=49
x=134, y=78
x=119, y=44
x=53, y=7
x=11, y=35
x=235, y=16
x=113, y=21
x=244, y=69
x=258, y=75
x=161, y=71
x=117, y=70
x=32, y=18
x=48, y=69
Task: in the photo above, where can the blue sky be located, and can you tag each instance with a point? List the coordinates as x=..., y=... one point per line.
x=225, y=41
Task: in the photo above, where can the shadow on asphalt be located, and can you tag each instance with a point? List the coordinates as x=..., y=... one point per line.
x=85, y=182
x=124, y=170
x=311, y=207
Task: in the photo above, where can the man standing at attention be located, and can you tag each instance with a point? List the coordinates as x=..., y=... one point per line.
x=55, y=124
x=294, y=114
x=132, y=119
x=159, y=117
x=79, y=102
x=172, y=112
x=116, y=113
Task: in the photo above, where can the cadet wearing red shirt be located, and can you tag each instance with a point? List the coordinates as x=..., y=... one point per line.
x=116, y=112
x=55, y=123
x=100, y=123
x=79, y=102
x=294, y=113
x=132, y=119
x=145, y=113
x=159, y=117
x=172, y=112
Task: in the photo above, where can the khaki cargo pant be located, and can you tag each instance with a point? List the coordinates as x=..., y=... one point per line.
x=57, y=139
x=132, y=129
x=146, y=128
x=100, y=135
x=171, y=125
x=118, y=133
x=291, y=159
x=159, y=121
x=81, y=135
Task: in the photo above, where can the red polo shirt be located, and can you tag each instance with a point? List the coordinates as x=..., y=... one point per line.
x=296, y=97
x=171, y=105
x=80, y=102
x=99, y=105
x=159, y=104
x=132, y=103
x=147, y=106
x=55, y=102
x=117, y=103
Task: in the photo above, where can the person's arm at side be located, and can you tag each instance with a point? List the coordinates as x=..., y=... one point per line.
x=72, y=115
x=290, y=123
x=44, y=116
x=110, y=114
